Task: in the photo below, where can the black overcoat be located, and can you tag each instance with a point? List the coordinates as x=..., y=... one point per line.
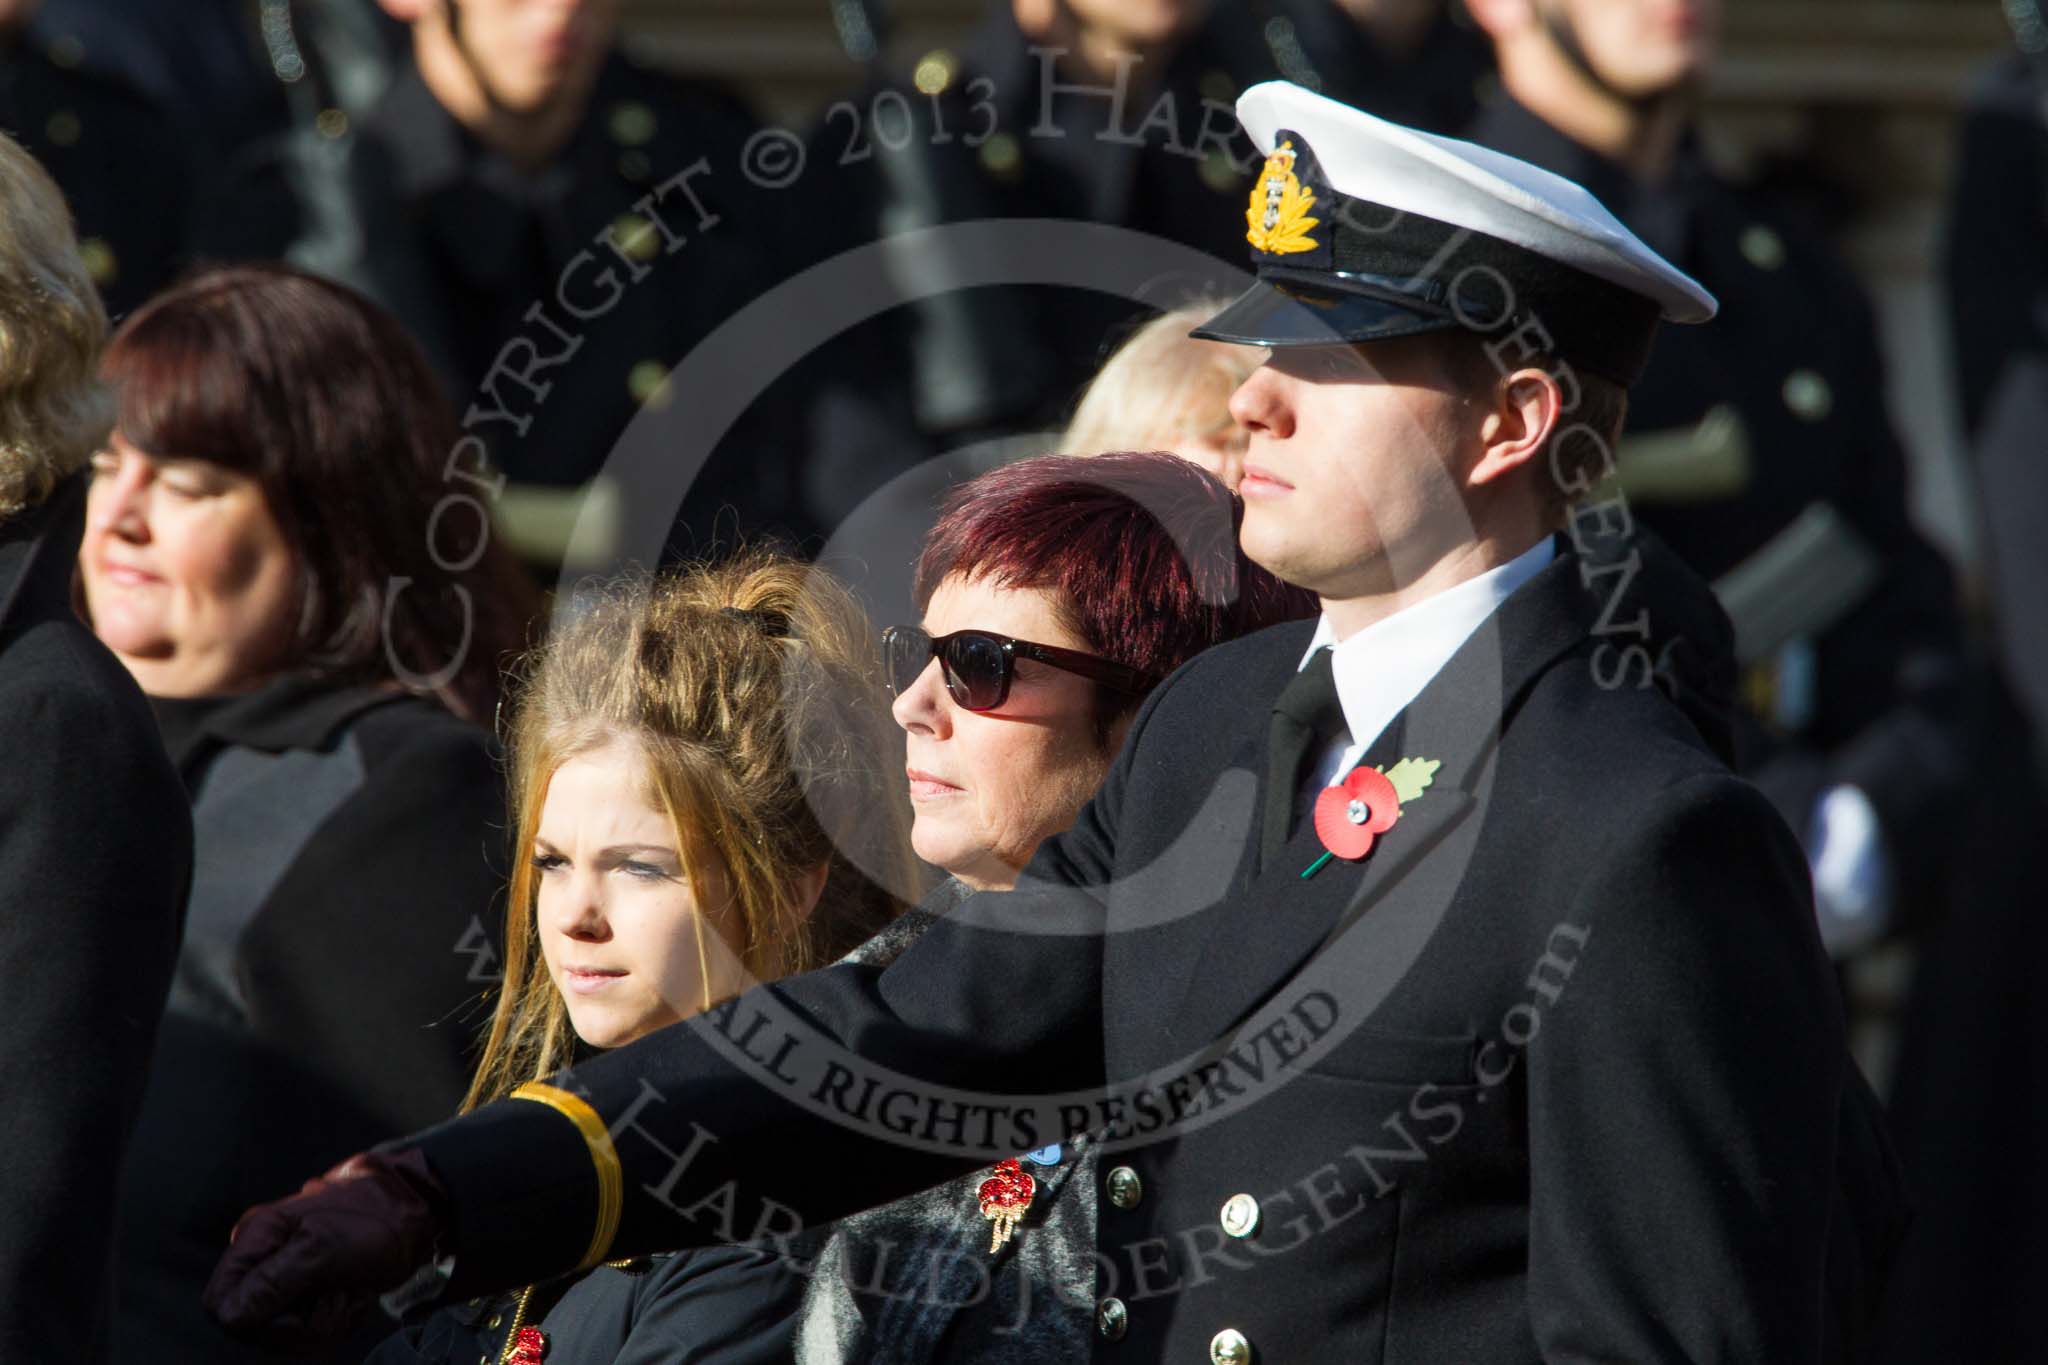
x=335, y=974
x=95, y=856
x=710, y=1306
x=1562, y=1082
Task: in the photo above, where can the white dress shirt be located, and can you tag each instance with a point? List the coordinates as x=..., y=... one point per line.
x=1385, y=666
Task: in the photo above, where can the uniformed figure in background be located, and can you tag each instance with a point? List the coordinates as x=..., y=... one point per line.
x=1995, y=257
x=1092, y=111
x=124, y=171
x=1977, y=1031
x=1095, y=111
x=558, y=226
x=1760, y=449
x=1418, y=62
x=1447, y=998
x=233, y=74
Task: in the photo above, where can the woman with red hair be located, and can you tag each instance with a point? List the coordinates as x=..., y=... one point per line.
x=1055, y=593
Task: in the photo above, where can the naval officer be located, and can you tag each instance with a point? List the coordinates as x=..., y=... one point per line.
x=1444, y=994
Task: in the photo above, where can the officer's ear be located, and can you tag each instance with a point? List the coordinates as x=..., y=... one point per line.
x=1515, y=424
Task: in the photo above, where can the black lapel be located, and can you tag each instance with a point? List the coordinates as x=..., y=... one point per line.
x=37, y=552
x=18, y=546
x=1142, y=960
x=1275, y=920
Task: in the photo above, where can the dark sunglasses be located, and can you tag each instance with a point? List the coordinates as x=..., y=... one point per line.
x=978, y=664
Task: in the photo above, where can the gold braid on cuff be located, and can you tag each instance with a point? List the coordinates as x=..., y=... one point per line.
x=611, y=1181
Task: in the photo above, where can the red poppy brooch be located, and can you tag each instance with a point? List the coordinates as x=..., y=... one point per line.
x=529, y=1347
x=1352, y=815
x=1003, y=1197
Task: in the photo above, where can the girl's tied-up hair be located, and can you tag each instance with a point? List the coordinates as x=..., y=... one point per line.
x=752, y=692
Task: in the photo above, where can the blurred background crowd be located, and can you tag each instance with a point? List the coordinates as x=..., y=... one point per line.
x=652, y=280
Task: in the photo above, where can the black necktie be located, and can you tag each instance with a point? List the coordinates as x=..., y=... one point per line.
x=1306, y=717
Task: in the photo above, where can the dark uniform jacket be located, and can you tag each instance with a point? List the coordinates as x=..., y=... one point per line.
x=1995, y=260
x=1993, y=255
x=555, y=302
x=333, y=978
x=227, y=73
x=712, y=1306
x=1011, y=136
x=95, y=857
x=1438, y=86
x=1553, y=1074
x=118, y=159
x=1873, y=694
x=1977, y=1021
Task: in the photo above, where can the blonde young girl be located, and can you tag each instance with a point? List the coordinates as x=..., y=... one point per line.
x=706, y=793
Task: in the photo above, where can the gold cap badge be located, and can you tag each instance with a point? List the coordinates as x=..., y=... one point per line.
x=1277, y=216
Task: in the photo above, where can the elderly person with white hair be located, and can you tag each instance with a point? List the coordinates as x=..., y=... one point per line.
x=95, y=838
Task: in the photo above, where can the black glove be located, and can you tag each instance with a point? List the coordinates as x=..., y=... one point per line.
x=305, y=1271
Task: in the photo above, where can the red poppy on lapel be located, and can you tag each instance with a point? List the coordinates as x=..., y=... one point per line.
x=529, y=1347
x=1351, y=815
x=1355, y=812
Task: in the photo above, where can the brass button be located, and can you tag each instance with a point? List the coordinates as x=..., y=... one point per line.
x=633, y=124
x=100, y=261
x=636, y=166
x=1112, y=1319
x=495, y=1319
x=1762, y=247
x=1808, y=395
x=935, y=72
x=1219, y=173
x=1125, y=1189
x=1240, y=1215
x=67, y=51
x=64, y=129
x=331, y=123
x=1001, y=156
x=1229, y=1347
x=648, y=382
x=636, y=237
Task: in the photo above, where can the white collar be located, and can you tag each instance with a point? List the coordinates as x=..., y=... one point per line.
x=1385, y=666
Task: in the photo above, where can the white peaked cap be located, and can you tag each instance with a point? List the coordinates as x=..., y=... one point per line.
x=1472, y=187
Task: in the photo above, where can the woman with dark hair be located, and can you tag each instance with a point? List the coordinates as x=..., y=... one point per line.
x=1055, y=593
x=272, y=552
x=286, y=491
